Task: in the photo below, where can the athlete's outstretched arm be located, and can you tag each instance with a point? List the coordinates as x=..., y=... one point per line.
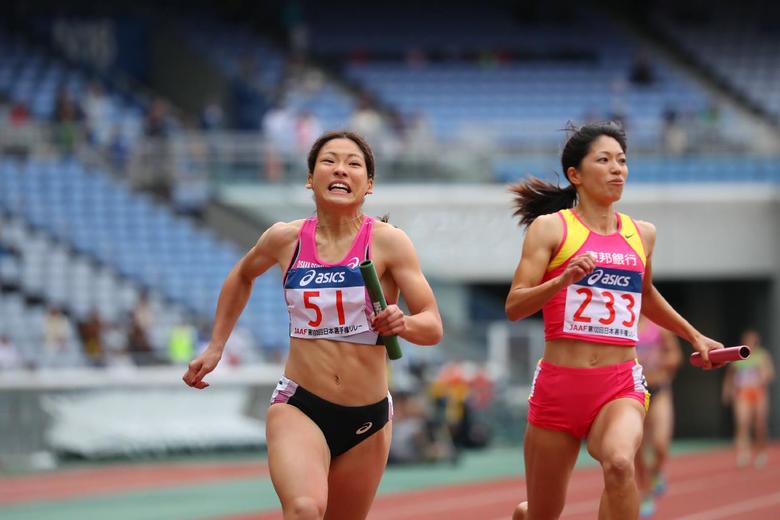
x=655, y=306
x=528, y=294
x=233, y=297
x=423, y=325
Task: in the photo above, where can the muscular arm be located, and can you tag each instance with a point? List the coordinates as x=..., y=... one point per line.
x=423, y=325
x=234, y=295
x=655, y=306
x=237, y=287
x=528, y=294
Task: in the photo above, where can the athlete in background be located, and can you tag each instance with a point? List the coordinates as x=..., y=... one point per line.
x=746, y=389
x=660, y=355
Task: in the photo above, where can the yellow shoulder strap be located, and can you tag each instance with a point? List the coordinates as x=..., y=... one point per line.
x=631, y=234
x=574, y=235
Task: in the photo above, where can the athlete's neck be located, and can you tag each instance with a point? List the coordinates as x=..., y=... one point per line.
x=331, y=226
x=599, y=218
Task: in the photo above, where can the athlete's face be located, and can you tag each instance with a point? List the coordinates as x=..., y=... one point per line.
x=340, y=175
x=603, y=171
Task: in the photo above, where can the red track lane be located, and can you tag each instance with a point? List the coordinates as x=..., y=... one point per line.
x=116, y=479
x=702, y=486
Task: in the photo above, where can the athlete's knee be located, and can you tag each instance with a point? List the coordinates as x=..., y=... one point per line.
x=521, y=511
x=618, y=469
x=305, y=508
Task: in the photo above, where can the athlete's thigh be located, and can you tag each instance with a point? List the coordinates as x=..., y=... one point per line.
x=742, y=412
x=355, y=475
x=550, y=456
x=762, y=406
x=298, y=455
x=617, y=429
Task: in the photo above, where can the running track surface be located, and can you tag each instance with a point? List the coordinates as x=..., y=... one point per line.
x=702, y=486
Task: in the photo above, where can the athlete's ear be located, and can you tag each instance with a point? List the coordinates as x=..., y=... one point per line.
x=370, y=187
x=308, y=182
x=574, y=175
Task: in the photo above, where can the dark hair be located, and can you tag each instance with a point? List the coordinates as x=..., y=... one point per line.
x=361, y=143
x=535, y=197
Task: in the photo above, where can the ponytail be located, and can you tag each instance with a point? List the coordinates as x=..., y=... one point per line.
x=535, y=197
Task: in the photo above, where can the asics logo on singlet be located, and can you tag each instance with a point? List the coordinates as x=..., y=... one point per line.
x=364, y=428
x=320, y=278
x=608, y=279
x=353, y=262
x=307, y=278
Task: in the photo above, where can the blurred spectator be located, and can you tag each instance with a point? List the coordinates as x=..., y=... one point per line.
x=279, y=131
x=419, y=137
x=67, y=118
x=55, y=338
x=19, y=114
x=158, y=127
x=674, y=135
x=10, y=260
x=248, y=101
x=307, y=129
x=10, y=357
x=91, y=332
x=454, y=393
x=212, y=117
x=182, y=342
x=5, y=107
x=97, y=115
x=294, y=23
x=157, y=123
x=641, y=73
x=115, y=339
x=709, y=126
x=416, y=438
x=138, y=344
x=416, y=58
x=366, y=121
x=118, y=150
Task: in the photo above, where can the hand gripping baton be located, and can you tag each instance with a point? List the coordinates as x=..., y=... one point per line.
x=722, y=355
x=379, y=303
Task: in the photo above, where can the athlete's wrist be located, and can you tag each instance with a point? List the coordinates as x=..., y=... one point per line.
x=216, y=346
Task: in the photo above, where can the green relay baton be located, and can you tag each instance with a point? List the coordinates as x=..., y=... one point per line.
x=379, y=303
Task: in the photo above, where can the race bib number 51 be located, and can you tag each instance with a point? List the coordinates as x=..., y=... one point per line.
x=604, y=303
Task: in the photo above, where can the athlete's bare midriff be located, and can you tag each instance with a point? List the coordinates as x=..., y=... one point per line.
x=585, y=354
x=349, y=374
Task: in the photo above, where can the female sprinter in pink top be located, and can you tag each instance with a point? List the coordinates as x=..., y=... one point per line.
x=328, y=427
x=588, y=268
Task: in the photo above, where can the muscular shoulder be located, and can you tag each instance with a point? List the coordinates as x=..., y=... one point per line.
x=647, y=230
x=281, y=234
x=546, y=231
x=389, y=239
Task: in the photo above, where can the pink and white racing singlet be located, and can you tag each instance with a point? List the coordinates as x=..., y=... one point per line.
x=603, y=306
x=329, y=301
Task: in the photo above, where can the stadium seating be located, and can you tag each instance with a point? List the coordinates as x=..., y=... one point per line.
x=739, y=44
x=132, y=238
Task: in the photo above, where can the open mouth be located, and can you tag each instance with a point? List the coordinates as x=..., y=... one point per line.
x=339, y=187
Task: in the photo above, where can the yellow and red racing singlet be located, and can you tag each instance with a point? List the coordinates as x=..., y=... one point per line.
x=603, y=306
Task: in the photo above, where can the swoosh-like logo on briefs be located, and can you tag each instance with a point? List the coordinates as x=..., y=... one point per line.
x=363, y=429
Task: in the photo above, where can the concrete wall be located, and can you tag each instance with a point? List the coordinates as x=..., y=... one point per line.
x=466, y=233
